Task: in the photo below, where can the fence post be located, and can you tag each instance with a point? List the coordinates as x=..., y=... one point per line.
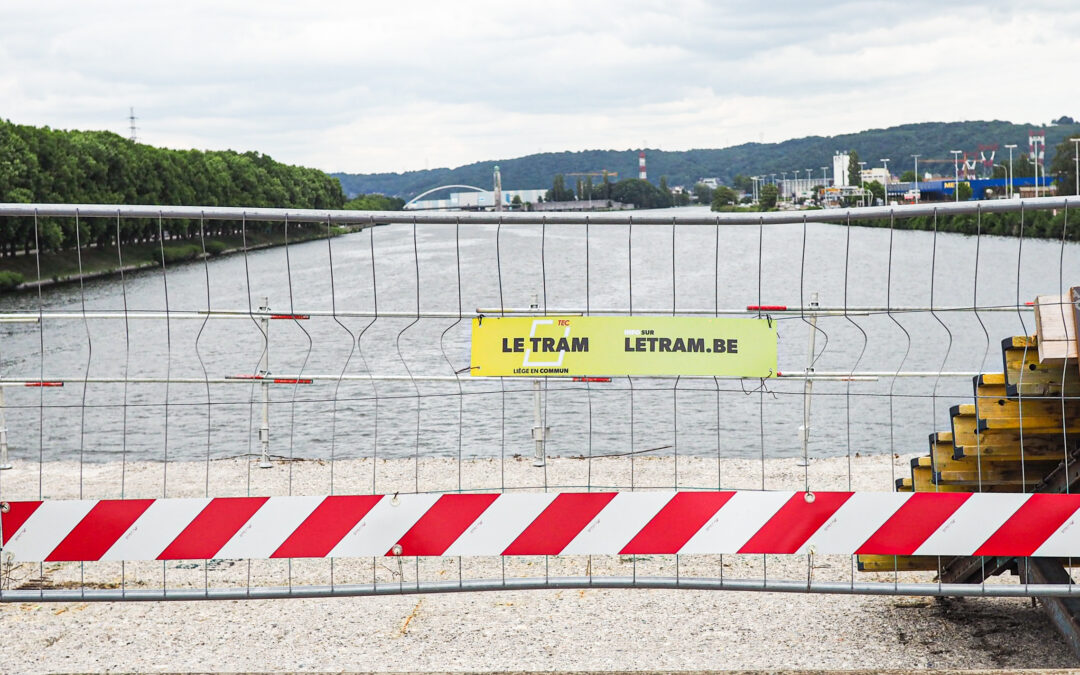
x=539, y=431
x=264, y=371
x=4, y=462
x=808, y=385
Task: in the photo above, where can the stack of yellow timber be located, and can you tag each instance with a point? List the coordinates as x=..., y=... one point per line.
x=1016, y=430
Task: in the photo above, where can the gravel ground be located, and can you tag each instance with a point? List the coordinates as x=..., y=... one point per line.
x=500, y=630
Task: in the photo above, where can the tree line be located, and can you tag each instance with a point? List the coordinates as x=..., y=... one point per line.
x=43, y=165
x=641, y=193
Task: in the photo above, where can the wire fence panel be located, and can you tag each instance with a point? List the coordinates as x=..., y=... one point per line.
x=305, y=420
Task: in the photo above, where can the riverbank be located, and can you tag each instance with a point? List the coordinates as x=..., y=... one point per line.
x=91, y=262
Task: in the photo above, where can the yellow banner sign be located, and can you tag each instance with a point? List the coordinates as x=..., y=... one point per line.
x=578, y=346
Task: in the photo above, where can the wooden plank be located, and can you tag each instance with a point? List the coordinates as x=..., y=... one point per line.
x=993, y=402
x=922, y=478
x=897, y=563
x=1005, y=446
x=1074, y=296
x=1054, y=326
x=944, y=458
x=1025, y=375
x=991, y=475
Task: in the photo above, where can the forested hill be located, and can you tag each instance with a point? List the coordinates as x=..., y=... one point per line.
x=38, y=164
x=932, y=140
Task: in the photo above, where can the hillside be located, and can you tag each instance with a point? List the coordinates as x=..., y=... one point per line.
x=931, y=140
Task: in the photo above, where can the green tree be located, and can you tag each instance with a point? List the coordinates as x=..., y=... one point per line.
x=963, y=191
x=877, y=190
x=908, y=176
x=723, y=196
x=742, y=183
x=1063, y=167
x=665, y=193
x=703, y=193
x=559, y=191
x=767, y=197
x=853, y=169
x=641, y=193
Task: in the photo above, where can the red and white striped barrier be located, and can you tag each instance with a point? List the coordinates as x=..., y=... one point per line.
x=847, y=523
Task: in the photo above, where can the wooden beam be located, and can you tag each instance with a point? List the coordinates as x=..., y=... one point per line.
x=897, y=563
x=997, y=441
x=992, y=402
x=1074, y=297
x=1025, y=375
x=1055, y=328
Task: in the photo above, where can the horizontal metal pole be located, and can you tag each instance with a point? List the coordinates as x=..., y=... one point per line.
x=752, y=309
x=30, y=316
x=556, y=583
x=826, y=375
x=531, y=217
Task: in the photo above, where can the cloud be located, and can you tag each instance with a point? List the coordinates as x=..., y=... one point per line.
x=363, y=87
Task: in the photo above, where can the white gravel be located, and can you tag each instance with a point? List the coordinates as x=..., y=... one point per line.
x=500, y=630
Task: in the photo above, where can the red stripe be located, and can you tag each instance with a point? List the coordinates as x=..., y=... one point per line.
x=212, y=528
x=676, y=523
x=17, y=514
x=99, y=529
x=443, y=523
x=559, y=523
x=792, y=525
x=45, y=384
x=1032, y=524
x=920, y=516
x=321, y=531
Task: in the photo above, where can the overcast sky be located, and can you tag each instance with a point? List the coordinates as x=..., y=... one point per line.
x=366, y=87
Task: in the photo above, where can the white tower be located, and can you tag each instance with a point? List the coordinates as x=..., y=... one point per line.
x=641, y=166
x=498, y=190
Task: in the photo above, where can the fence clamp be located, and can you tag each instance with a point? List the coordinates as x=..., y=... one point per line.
x=4, y=507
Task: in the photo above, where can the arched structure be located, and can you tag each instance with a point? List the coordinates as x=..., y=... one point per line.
x=441, y=187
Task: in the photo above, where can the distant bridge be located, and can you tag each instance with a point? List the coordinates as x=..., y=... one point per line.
x=441, y=187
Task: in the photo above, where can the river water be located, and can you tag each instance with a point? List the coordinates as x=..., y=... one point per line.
x=443, y=268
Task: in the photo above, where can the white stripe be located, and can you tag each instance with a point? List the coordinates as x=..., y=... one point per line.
x=501, y=523
x=854, y=522
x=384, y=525
x=972, y=524
x=736, y=521
x=158, y=526
x=617, y=523
x=271, y=525
x=46, y=528
x=1064, y=542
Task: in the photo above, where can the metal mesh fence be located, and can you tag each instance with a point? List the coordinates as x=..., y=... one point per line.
x=340, y=366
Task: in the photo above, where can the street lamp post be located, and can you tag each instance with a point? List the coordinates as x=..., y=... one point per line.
x=1035, y=159
x=956, y=174
x=1011, y=172
x=1006, y=167
x=917, y=190
x=783, y=182
x=1076, y=158
x=885, y=161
